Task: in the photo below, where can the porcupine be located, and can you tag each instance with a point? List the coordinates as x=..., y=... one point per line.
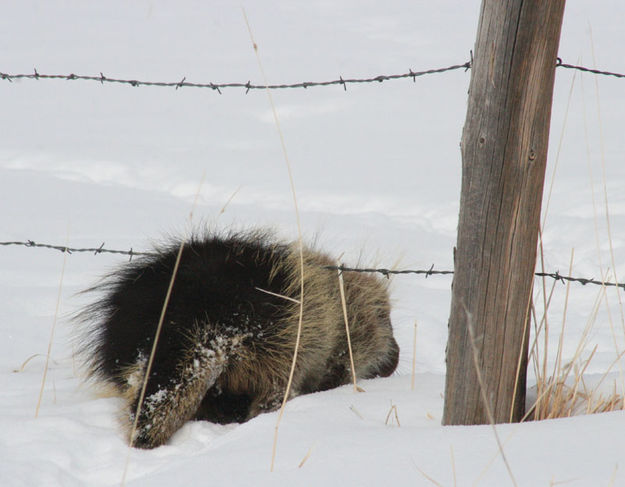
x=228, y=335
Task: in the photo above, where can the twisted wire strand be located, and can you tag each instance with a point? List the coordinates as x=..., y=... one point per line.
x=383, y=271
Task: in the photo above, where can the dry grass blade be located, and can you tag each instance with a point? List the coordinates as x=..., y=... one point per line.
x=557, y=159
x=545, y=304
x=349, y=340
x=487, y=407
x=151, y=360
x=453, y=464
x=391, y=411
x=522, y=353
x=478, y=480
x=414, y=357
x=356, y=412
x=156, y=338
x=614, y=362
x=56, y=314
x=604, y=178
x=427, y=477
x=306, y=457
x=288, y=298
x=158, y=333
x=300, y=239
x=554, y=483
x=613, y=477
x=223, y=208
x=25, y=363
x=558, y=399
x=598, y=239
x=557, y=366
x=542, y=327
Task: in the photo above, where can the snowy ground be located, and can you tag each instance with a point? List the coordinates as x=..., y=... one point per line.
x=377, y=171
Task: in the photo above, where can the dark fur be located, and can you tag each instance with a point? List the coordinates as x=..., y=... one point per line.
x=225, y=349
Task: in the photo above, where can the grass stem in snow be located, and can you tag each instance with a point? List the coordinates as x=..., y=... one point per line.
x=299, y=233
x=56, y=313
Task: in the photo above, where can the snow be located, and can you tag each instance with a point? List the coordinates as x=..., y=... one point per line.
x=377, y=171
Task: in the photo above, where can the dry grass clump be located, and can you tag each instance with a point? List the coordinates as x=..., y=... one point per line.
x=568, y=395
x=563, y=392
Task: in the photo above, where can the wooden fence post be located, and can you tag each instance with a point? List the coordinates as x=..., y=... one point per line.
x=504, y=153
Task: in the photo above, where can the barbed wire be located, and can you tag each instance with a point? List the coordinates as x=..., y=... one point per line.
x=71, y=250
x=388, y=272
x=183, y=83
x=385, y=272
x=560, y=64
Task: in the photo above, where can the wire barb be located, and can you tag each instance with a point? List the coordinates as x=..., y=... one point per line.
x=99, y=249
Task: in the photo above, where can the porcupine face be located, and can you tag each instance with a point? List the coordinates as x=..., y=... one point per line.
x=374, y=344
x=388, y=366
